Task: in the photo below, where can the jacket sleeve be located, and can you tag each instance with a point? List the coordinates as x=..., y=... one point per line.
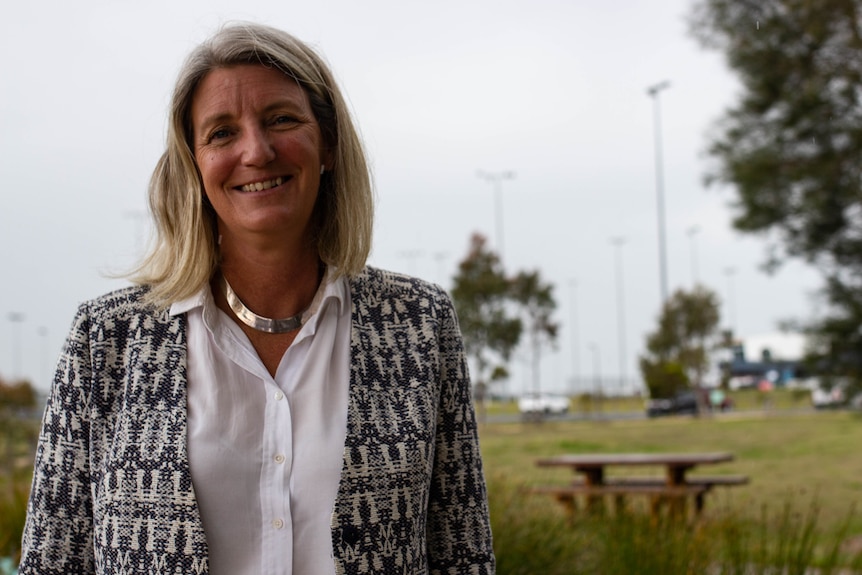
x=58, y=533
x=459, y=531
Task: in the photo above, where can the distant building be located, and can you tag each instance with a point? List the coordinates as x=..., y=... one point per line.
x=776, y=358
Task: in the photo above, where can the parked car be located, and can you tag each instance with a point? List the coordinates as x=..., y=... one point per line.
x=684, y=402
x=535, y=403
x=825, y=399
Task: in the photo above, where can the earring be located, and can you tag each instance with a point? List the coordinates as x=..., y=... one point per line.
x=322, y=169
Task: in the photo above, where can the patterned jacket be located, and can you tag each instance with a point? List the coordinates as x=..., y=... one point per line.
x=112, y=491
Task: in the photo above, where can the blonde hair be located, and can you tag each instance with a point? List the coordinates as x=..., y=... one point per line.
x=185, y=254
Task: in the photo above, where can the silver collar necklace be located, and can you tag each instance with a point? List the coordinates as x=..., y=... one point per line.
x=258, y=322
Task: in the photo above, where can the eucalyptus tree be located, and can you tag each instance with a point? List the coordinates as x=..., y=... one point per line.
x=490, y=328
x=790, y=148
x=535, y=304
x=678, y=351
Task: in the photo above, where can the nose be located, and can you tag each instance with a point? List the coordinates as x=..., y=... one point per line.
x=257, y=148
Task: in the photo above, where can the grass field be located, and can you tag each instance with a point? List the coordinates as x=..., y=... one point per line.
x=805, y=468
x=803, y=506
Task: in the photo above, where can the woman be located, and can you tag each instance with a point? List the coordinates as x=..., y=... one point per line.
x=329, y=430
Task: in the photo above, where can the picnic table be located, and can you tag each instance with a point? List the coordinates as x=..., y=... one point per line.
x=675, y=487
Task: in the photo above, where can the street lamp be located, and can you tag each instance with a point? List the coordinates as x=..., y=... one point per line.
x=654, y=92
x=692, y=232
x=731, y=310
x=576, y=359
x=16, y=318
x=441, y=257
x=597, y=375
x=411, y=256
x=140, y=218
x=618, y=243
x=43, y=359
x=496, y=179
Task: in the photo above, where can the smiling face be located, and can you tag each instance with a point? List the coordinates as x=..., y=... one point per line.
x=259, y=150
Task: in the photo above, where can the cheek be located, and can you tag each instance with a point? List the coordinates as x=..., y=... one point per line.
x=300, y=147
x=211, y=168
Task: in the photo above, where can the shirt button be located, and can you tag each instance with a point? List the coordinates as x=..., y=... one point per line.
x=277, y=523
x=279, y=396
x=279, y=458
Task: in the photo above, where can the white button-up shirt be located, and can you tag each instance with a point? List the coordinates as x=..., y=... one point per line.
x=266, y=453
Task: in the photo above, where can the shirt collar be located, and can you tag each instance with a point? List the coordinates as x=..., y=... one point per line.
x=194, y=301
x=331, y=288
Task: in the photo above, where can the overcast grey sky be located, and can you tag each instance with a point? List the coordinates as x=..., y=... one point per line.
x=554, y=90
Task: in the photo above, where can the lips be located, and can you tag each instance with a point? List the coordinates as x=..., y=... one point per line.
x=263, y=185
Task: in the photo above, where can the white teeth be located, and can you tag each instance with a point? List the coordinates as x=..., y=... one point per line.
x=259, y=186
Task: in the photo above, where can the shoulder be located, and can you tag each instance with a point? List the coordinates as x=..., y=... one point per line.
x=376, y=283
x=397, y=299
x=116, y=301
x=390, y=292
x=121, y=310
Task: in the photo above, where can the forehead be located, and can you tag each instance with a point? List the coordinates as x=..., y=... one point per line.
x=231, y=90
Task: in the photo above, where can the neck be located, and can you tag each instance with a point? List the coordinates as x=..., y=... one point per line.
x=272, y=285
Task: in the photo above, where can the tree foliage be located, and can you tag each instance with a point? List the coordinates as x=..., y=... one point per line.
x=536, y=305
x=16, y=396
x=490, y=329
x=837, y=339
x=791, y=147
x=678, y=351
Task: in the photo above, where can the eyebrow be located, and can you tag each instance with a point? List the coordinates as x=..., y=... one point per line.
x=290, y=103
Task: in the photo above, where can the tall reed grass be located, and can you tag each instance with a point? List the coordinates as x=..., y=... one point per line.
x=14, y=491
x=532, y=535
x=17, y=446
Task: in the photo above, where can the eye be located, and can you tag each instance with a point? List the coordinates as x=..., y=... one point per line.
x=218, y=134
x=283, y=119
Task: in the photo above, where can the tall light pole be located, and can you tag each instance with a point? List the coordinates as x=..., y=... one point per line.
x=654, y=92
x=43, y=359
x=597, y=375
x=16, y=318
x=692, y=232
x=140, y=218
x=618, y=243
x=440, y=257
x=411, y=256
x=731, y=310
x=496, y=179
x=576, y=353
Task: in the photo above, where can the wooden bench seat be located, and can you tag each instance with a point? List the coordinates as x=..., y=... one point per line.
x=659, y=494
x=656, y=488
x=618, y=489
x=706, y=480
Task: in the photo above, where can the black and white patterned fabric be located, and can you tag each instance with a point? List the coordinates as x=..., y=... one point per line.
x=112, y=491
